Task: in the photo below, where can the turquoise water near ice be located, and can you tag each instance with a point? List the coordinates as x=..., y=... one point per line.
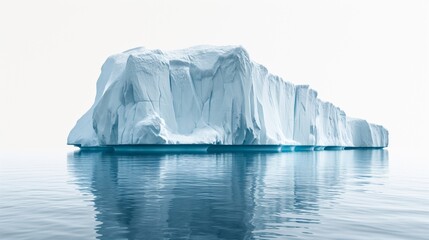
x=352, y=194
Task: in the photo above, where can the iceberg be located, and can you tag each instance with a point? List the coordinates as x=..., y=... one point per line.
x=209, y=95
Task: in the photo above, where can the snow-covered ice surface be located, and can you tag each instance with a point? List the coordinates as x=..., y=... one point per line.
x=211, y=95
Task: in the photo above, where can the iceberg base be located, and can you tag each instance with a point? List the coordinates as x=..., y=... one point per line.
x=214, y=148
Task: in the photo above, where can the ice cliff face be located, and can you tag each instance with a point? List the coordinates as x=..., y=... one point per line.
x=214, y=95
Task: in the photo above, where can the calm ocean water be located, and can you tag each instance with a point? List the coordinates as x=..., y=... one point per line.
x=354, y=194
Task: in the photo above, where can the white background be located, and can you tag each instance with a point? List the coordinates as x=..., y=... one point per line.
x=369, y=57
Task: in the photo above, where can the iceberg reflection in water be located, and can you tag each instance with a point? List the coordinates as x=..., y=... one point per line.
x=230, y=196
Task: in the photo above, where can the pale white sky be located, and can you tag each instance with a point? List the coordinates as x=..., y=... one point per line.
x=369, y=57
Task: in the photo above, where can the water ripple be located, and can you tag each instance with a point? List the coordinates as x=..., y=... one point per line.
x=308, y=195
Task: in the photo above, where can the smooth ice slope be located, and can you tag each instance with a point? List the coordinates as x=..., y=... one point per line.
x=212, y=95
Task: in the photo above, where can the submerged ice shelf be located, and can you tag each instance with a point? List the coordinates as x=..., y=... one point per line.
x=214, y=96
